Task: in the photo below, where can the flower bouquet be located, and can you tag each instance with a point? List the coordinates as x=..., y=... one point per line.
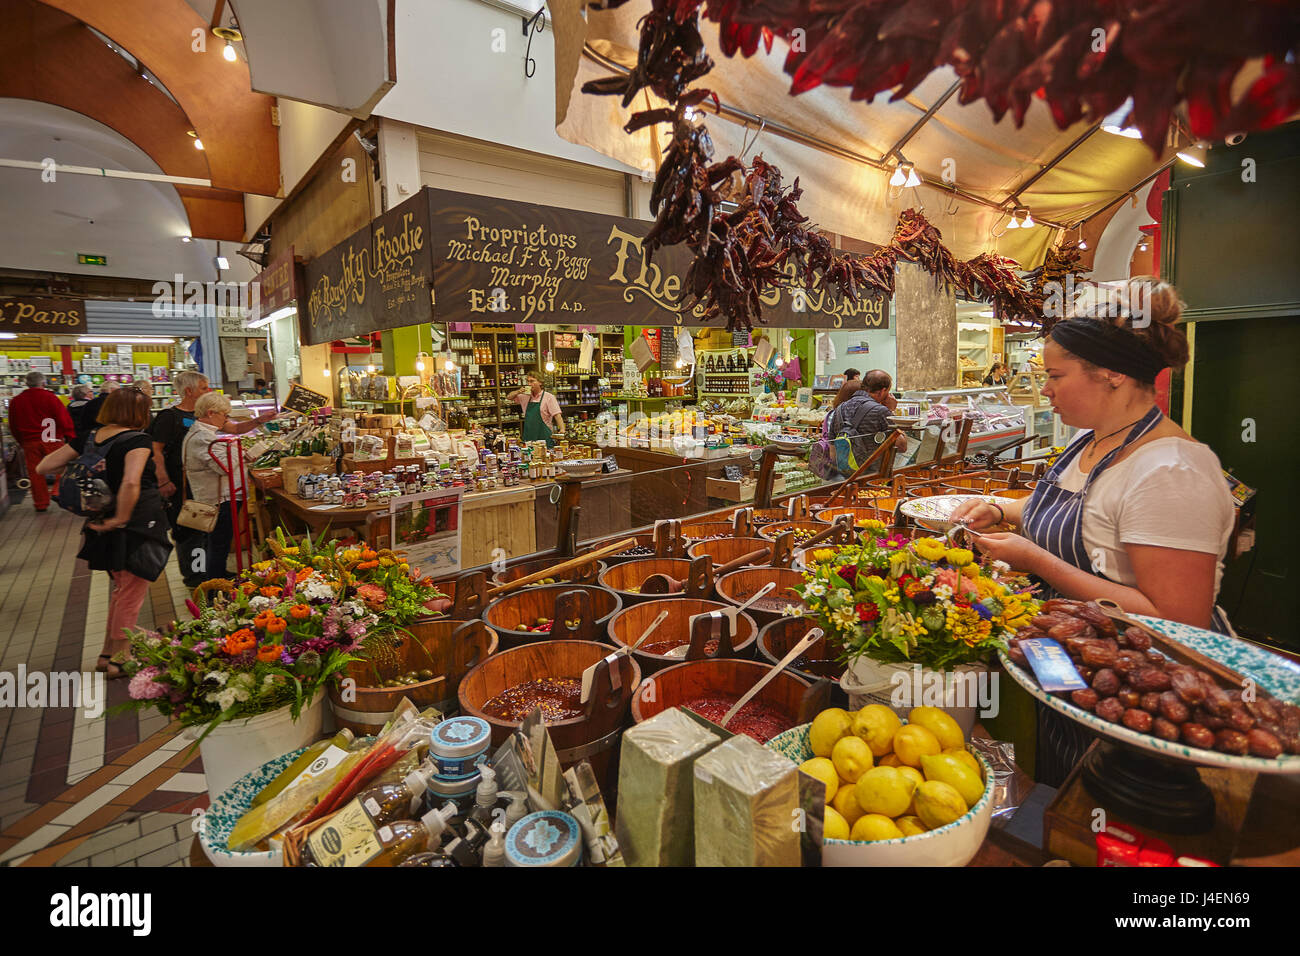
x=913, y=602
x=773, y=378
x=275, y=636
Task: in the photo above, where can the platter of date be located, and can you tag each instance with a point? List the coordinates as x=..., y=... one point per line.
x=1179, y=711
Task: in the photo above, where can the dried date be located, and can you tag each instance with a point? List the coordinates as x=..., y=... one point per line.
x=1262, y=710
x=1173, y=709
x=1137, y=639
x=1110, y=709
x=1187, y=686
x=1095, y=616
x=1086, y=698
x=1071, y=628
x=1105, y=682
x=1198, y=735
x=1217, y=702
x=1086, y=673
x=1150, y=702
x=1240, y=719
x=1098, y=654
x=1045, y=622
x=1017, y=653
x=1126, y=662
x=1155, y=657
x=1263, y=744
x=1150, y=679
x=1164, y=729
x=1057, y=605
x=1231, y=741
x=1139, y=720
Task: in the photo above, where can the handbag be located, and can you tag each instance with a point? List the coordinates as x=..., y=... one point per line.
x=196, y=514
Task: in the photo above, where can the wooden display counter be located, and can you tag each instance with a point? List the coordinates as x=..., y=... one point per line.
x=501, y=518
x=605, y=503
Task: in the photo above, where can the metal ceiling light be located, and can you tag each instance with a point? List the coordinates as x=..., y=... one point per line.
x=1194, y=154
x=1028, y=221
x=1013, y=224
x=231, y=35
x=198, y=143
x=904, y=175
x=1114, y=123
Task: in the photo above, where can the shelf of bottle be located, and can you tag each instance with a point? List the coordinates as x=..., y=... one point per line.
x=725, y=394
x=709, y=374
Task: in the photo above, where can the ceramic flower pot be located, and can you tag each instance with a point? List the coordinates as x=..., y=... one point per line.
x=901, y=687
x=240, y=746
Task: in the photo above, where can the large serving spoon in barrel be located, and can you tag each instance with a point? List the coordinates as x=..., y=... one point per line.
x=734, y=615
x=808, y=641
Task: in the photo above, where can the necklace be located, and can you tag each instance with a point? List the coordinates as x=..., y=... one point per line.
x=1097, y=441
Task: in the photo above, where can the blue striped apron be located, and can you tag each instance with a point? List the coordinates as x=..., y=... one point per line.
x=1053, y=519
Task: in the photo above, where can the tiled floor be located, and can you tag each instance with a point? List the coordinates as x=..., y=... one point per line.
x=112, y=790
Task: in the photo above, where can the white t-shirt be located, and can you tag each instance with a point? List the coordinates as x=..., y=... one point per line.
x=1169, y=493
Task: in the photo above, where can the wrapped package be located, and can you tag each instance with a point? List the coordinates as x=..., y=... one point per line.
x=746, y=806
x=656, y=789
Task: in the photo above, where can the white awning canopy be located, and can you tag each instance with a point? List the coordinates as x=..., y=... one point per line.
x=845, y=189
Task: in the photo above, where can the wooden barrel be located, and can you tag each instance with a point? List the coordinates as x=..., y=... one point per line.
x=766, y=516
x=778, y=638
x=1015, y=492
x=468, y=595
x=630, y=623
x=811, y=525
x=723, y=550
x=447, y=648
x=526, y=606
x=678, y=685
x=708, y=529
x=626, y=579
x=593, y=736
x=738, y=586
x=583, y=574
x=859, y=512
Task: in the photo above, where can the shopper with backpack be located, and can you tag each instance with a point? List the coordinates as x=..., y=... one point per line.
x=113, y=483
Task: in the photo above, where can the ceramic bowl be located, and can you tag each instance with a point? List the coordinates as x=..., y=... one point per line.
x=233, y=803
x=953, y=845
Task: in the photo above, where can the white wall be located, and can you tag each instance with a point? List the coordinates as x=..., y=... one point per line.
x=305, y=133
x=449, y=78
x=1120, y=238
x=883, y=353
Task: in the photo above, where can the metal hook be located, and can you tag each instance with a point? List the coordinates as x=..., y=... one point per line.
x=531, y=27
x=953, y=210
x=748, y=143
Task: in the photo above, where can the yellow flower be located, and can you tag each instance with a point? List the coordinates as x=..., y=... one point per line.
x=928, y=548
x=845, y=618
x=891, y=595
x=823, y=554
x=871, y=524
x=959, y=557
x=971, y=571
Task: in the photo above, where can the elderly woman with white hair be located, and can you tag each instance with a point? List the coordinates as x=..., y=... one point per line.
x=209, y=481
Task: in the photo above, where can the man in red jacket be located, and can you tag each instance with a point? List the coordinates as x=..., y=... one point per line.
x=41, y=424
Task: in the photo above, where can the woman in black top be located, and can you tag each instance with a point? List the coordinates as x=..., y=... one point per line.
x=997, y=374
x=131, y=543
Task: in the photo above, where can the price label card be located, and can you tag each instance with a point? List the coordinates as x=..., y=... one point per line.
x=304, y=400
x=1051, y=665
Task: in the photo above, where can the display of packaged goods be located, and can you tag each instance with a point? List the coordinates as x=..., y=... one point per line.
x=745, y=797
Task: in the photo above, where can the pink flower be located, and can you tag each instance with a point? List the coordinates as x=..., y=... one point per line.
x=143, y=686
x=356, y=630
x=960, y=584
x=193, y=608
x=373, y=595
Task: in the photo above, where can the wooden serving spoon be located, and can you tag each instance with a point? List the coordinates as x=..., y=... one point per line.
x=808, y=641
x=588, y=676
x=733, y=615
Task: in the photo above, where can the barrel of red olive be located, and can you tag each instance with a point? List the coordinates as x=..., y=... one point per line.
x=739, y=586
x=712, y=687
x=535, y=614
x=507, y=686
x=779, y=637
x=582, y=574
x=666, y=643
x=425, y=666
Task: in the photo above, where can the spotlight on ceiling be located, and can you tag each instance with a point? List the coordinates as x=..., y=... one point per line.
x=198, y=143
x=1194, y=154
x=905, y=175
x=232, y=36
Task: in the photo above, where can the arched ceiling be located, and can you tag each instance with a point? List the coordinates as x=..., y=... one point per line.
x=50, y=57
x=234, y=123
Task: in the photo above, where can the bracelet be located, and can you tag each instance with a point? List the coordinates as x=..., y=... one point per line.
x=1002, y=516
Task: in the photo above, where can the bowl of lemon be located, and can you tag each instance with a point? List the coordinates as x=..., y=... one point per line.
x=897, y=793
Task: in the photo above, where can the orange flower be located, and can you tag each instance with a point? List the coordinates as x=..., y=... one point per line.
x=300, y=611
x=270, y=592
x=239, y=642
x=369, y=555
x=276, y=625
x=304, y=573
x=269, y=653
x=248, y=587
x=367, y=565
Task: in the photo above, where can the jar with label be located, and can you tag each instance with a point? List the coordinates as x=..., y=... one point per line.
x=546, y=838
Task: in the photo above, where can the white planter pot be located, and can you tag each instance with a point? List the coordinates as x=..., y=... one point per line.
x=238, y=746
x=901, y=687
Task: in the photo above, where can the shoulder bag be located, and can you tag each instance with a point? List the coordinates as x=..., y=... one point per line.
x=195, y=514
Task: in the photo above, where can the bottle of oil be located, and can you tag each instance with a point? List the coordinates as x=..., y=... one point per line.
x=402, y=839
x=395, y=801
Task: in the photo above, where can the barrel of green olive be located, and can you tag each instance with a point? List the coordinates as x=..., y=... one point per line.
x=529, y=615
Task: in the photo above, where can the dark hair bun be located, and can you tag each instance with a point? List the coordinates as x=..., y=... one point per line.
x=1156, y=311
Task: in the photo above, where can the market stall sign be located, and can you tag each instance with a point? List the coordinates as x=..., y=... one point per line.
x=519, y=262
x=42, y=316
x=378, y=278
x=304, y=400
x=277, y=284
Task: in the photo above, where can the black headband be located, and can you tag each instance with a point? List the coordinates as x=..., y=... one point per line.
x=1109, y=346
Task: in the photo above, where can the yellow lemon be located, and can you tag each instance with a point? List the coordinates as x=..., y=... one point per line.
x=914, y=775
x=877, y=724
x=956, y=774
x=874, y=826
x=828, y=727
x=911, y=825
x=834, y=826
x=966, y=757
x=824, y=770
x=938, y=804
x=889, y=760
x=846, y=804
x=852, y=758
x=884, y=790
x=938, y=722
x=913, y=742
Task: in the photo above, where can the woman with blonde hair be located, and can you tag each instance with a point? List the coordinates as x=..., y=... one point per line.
x=209, y=481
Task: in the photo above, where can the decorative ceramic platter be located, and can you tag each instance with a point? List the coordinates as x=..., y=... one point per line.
x=216, y=824
x=1278, y=675
x=934, y=511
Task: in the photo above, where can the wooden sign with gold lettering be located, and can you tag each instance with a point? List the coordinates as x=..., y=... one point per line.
x=378, y=278
x=496, y=260
x=42, y=316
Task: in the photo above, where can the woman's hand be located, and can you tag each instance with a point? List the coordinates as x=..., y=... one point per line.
x=977, y=514
x=167, y=489
x=1017, y=551
x=107, y=524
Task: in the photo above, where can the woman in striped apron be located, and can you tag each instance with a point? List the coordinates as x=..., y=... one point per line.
x=1134, y=510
